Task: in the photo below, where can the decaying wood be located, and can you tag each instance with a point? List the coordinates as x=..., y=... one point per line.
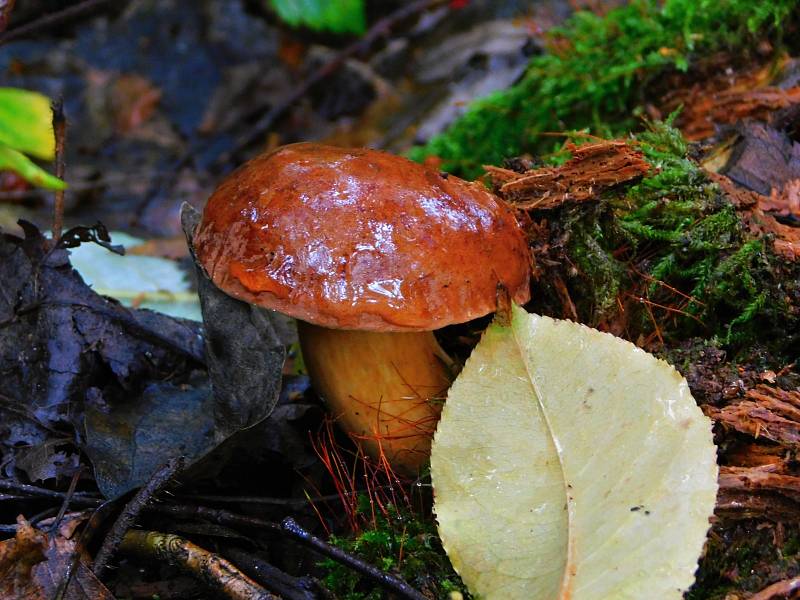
x=223, y=576
x=593, y=168
x=756, y=455
x=785, y=201
x=740, y=197
x=781, y=589
x=702, y=111
x=730, y=97
x=744, y=504
x=764, y=491
x=753, y=208
x=765, y=412
x=767, y=478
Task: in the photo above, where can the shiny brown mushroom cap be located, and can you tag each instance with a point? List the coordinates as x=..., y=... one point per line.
x=360, y=239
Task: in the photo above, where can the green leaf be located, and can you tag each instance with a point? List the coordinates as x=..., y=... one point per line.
x=26, y=122
x=339, y=16
x=571, y=464
x=19, y=163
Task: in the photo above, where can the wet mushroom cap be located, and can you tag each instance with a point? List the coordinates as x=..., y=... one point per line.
x=360, y=239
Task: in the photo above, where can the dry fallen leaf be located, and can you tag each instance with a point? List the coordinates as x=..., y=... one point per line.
x=571, y=464
x=35, y=565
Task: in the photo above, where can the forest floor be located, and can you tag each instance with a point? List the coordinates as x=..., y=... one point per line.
x=661, y=202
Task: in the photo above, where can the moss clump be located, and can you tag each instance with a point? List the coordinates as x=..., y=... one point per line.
x=400, y=542
x=593, y=74
x=671, y=254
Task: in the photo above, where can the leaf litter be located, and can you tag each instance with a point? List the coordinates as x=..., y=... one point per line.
x=90, y=362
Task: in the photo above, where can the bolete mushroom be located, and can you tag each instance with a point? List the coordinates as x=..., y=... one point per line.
x=370, y=252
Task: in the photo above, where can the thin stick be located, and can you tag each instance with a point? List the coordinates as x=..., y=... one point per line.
x=290, y=503
x=291, y=529
x=51, y=20
x=381, y=28
x=67, y=497
x=209, y=568
x=394, y=584
x=32, y=490
x=60, y=132
x=131, y=512
x=273, y=579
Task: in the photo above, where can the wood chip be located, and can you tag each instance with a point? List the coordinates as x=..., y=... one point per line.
x=593, y=168
x=729, y=97
x=764, y=491
x=753, y=208
x=765, y=412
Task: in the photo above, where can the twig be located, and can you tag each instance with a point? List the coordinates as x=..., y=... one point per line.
x=394, y=584
x=51, y=20
x=273, y=579
x=32, y=490
x=6, y=6
x=131, y=512
x=208, y=567
x=60, y=132
x=291, y=503
x=381, y=28
x=98, y=516
x=67, y=497
x=291, y=529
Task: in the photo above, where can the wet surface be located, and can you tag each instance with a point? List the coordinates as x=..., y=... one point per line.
x=361, y=239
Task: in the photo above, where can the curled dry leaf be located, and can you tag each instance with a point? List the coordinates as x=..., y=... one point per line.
x=571, y=464
x=35, y=565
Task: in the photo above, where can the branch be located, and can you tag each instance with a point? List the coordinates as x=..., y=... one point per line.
x=210, y=568
x=130, y=513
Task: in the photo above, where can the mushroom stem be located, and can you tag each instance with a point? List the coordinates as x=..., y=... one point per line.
x=385, y=389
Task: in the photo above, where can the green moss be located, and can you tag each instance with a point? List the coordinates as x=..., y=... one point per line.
x=593, y=75
x=675, y=252
x=400, y=542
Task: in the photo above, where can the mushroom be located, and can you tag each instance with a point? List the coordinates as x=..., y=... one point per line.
x=370, y=252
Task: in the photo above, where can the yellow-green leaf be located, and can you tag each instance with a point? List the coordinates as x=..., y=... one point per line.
x=26, y=122
x=19, y=163
x=571, y=464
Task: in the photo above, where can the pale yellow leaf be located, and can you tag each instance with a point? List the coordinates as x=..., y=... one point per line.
x=571, y=464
